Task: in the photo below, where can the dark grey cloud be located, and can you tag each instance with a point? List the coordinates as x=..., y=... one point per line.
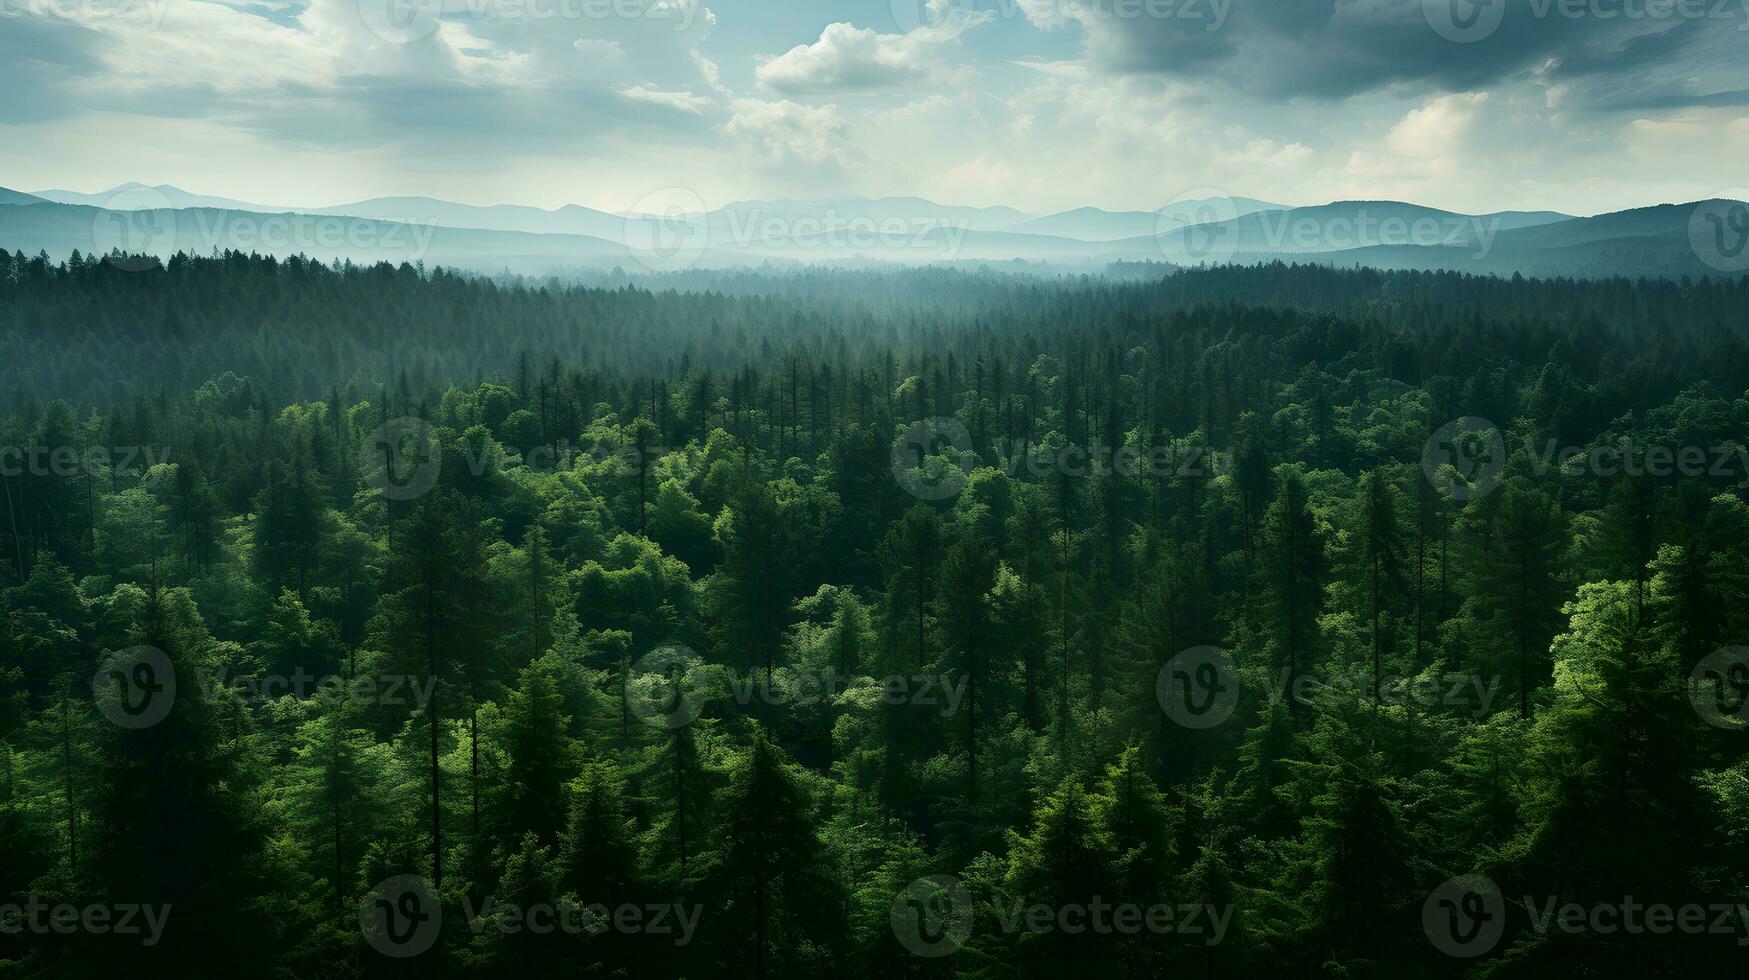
x=1696, y=64
x=1667, y=101
x=1334, y=49
x=42, y=60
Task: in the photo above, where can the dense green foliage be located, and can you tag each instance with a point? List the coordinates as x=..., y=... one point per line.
x=655, y=609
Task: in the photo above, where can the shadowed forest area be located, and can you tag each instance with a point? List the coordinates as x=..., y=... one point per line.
x=1272, y=620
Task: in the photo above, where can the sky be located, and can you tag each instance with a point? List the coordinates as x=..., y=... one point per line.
x=1581, y=106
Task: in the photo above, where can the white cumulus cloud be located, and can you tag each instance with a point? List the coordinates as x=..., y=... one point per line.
x=781, y=131
x=850, y=58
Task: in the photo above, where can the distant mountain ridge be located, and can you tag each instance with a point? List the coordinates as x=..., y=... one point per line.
x=1098, y=225
x=1094, y=224
x=572, y=219
x=134, y=196
x=850, y=231
x=1337, y=226
x=875, y=209
x=60, y=229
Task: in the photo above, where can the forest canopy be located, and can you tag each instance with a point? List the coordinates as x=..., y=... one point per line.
x=365, y=621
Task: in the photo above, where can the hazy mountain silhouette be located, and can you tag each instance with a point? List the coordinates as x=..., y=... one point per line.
x=847, y=231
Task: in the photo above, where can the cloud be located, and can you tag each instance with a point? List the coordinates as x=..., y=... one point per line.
x=1097, y=102
x=1691, y=64
x=1428, y=143
x=1063, y=69
x=469, y=90
x=1327, y=50
x=599, y=48
x=849, y=58
x=1436, y=126
x=42, y=61
x=783, y=131
x=683, y=101
x=708, y=70
x=1047, y=15
x=1264, y=155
